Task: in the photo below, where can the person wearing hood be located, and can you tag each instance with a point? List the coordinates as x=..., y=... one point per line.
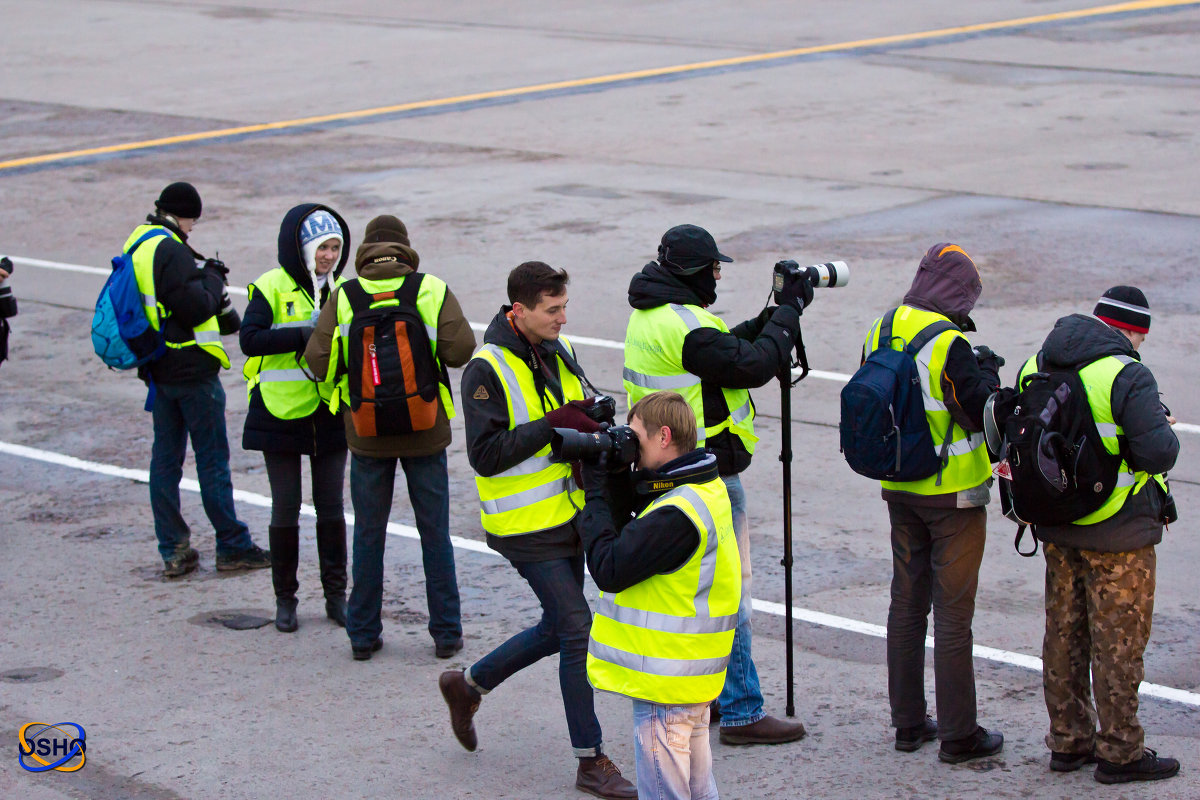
x=187, y=300
x=673, y=342
x=661, y=547
x=1100, y=569
x=385, y=261
x=521, y=385
x=938, y=524
x=8, y=305
x=288, y=416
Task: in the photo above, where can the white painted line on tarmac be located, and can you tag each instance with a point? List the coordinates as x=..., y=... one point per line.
x=608, y=344
x=1022, y=660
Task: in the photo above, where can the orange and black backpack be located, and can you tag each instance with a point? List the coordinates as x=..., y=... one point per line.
x=392, y=372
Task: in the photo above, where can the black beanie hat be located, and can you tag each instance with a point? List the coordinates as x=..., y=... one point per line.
x=1124, y=307
x=180, y=200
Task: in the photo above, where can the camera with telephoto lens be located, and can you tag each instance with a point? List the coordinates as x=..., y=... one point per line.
x=834, y=274
x=619, y=442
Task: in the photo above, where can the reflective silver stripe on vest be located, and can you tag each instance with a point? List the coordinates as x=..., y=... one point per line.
x=930, y=402
x=149, y=300
x=344, y=330
x=268, y=375
x=963, y=446
x=741, y=414
x=431, y=334
x=656, y=382
x=527, y=467
x=208, y=337
x=688, y=316
x=676, y=667
x=667, y=623
x=528, y=497
x=516, y=398
x=1107, y=429
x=1125, y=479
x=708, y=561
x=300, y=323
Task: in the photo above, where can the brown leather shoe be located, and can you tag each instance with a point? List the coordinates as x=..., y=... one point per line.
x=600, y=776
x=767, y=730
x=464, y=702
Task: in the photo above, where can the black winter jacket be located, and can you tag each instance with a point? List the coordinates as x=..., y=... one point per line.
x=321, y=431
x=492, y=448
x=752, y=354
x=623, y=551
x=190, y=296
x=1076, y=341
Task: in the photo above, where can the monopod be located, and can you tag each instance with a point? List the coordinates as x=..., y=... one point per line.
x=785, y=456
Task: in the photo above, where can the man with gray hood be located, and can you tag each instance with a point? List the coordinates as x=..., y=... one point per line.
x=1100, y=568
x=385, y=263
x=939, y=523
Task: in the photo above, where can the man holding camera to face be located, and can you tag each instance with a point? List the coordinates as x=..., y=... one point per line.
x=672, y=342
x=186, y=297
x=521, y=385
x=661, y=547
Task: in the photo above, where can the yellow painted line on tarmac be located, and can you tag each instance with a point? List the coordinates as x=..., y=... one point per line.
x=903, y=38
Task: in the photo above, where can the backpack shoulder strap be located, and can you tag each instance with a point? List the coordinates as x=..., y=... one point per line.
x=407, y=293
x=150, y=234
x=356, y=295
x=927, y=334
x=885, y=329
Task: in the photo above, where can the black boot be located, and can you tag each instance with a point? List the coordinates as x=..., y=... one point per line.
x=285, y=553
x=331, y=550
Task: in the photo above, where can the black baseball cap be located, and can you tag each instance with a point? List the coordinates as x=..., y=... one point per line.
x=688, y=249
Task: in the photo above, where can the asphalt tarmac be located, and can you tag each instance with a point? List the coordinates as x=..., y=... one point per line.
x=1054, y=141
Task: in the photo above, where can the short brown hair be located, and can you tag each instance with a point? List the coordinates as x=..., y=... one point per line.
x=668, y=409
x=529, y=281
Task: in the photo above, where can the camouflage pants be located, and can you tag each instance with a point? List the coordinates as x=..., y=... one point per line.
x=1098, y=610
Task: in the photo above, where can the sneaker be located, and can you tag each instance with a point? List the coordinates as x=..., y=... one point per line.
x=362, y=652
x=1149, y=768
x=980, y=744
x=447, y=649
x=910, y=739
x=767, y=730
x=463, y=700
x=1069, y=762
x=184, y=562
x=599, y=776
x=253, y=557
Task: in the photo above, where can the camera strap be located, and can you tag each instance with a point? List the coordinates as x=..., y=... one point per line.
x=651, y=483
x=574, y=367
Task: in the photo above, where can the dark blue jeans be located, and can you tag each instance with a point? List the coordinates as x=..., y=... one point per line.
x=564, y=629
x=195, y=410
x=372, y=481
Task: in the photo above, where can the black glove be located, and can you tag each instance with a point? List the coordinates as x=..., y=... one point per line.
x=219, y=268
x=989, y=361
x=594, y=476
x=797, y=292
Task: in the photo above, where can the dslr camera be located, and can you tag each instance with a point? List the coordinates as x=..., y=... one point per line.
x=619, y=442
x=604, y=409
x=832, y=274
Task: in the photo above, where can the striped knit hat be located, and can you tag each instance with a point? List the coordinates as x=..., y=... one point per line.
x=1125, y=307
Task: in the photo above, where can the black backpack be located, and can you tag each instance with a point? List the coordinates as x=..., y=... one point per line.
x=1054, y=468
x=392, y=373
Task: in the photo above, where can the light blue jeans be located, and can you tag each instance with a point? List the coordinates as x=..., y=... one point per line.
x=741, y=699
x=672, y=753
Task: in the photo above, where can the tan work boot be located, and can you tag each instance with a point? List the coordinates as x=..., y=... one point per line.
x=600, y=776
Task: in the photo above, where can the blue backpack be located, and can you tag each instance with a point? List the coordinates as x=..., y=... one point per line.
x=121, y=334
x=884, y=432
